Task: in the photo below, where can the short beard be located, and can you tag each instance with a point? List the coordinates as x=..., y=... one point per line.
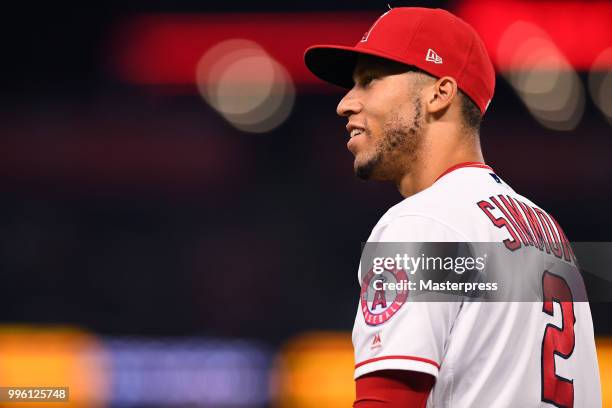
x=398, y=139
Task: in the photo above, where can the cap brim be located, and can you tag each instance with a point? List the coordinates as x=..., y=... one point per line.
x=335, y=64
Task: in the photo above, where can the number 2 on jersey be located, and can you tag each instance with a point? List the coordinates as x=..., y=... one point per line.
x=557, y=341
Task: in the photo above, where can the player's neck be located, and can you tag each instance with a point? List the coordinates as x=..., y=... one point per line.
x=435, y=159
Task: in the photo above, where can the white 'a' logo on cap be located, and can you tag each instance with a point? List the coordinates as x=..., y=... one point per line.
x=367, y=33
x=433, y=57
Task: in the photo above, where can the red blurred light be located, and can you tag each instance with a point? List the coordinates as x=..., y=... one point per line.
x=164, y=49
x=581, y=30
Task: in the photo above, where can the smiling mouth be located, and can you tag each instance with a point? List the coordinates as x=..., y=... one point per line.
x=355, y=132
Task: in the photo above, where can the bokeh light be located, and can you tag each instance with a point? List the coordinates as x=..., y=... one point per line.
x=190, y=372
x=600, y=83
x=316, y=370
x=55, y=357
x=248, y=87
x=542, y=77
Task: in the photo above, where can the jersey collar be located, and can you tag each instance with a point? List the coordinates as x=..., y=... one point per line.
x=464, y=164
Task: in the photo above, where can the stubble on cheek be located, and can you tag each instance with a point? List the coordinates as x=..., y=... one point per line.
x=401, y=136
x=399, y=147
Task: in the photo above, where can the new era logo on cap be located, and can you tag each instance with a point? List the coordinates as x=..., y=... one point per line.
x=433, y=57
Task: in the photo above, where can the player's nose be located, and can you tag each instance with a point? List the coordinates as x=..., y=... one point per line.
x=349, y=105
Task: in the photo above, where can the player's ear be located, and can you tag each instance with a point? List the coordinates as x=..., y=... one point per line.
x=440, y=95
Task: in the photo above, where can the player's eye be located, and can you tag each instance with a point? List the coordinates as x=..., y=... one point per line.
x=367, y=79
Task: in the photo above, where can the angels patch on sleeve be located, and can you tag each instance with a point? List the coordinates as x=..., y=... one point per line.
x=382, y=295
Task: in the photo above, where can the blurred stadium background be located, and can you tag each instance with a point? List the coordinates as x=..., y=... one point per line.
x=178, y=201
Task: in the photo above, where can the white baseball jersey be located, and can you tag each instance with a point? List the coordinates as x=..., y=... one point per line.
x=482, y=354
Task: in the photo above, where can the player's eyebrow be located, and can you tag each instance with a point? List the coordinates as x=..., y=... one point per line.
x=366, y=65
x=365, y=70
x=377, y=67
x=357, y=76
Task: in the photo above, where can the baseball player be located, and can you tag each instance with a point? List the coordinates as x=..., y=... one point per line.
x=419, y=82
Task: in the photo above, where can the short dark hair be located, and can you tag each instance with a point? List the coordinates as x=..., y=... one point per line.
x=472, y=118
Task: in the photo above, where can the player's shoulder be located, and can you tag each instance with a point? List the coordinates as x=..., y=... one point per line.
x=453, y=193
x=452, y=203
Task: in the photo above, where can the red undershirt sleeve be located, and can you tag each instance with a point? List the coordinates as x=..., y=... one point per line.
x=393, y=389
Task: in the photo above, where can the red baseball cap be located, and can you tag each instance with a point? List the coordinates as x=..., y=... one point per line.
x=432, y=40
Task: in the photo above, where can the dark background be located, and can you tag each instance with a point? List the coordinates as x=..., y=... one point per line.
x=208, y=247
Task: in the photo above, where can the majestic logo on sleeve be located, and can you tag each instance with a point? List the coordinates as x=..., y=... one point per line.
x=376, y=342
x=382, y=295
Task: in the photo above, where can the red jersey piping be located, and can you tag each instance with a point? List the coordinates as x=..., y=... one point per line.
x=421, y=359
x=461, y=165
